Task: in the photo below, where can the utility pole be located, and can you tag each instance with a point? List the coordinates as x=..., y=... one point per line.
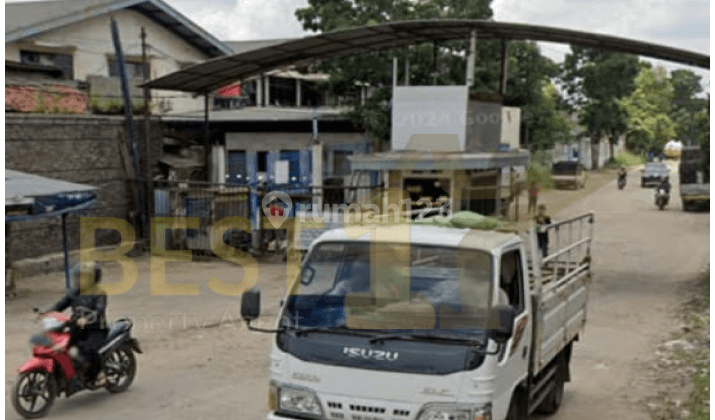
x=131, y=128
x=147, y=131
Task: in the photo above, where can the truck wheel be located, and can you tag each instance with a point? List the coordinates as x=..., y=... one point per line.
x=553, y=401
x=516, y=407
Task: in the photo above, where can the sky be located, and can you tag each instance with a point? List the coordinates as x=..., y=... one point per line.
x=683, y=24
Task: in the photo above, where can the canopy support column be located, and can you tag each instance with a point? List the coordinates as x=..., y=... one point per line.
x=207, y=152
x=65, y=249
x=470, y=59
x=502, y=83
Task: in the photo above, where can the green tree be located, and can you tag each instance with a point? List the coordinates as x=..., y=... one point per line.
x=702, y=121
x=595, y=82
x=441, y=63
x=547, y=123
x=431, y=63
x=649, y=122
x=685, y=104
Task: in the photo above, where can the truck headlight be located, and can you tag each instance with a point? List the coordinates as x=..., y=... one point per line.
x=299, y=401
x=455, y=412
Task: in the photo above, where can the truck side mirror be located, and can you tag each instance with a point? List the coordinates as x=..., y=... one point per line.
x=251, y=304
x=502, y=324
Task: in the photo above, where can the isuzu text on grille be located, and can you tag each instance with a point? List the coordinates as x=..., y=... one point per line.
x=370, y=354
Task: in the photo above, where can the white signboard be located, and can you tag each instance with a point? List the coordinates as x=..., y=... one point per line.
x=282, y=171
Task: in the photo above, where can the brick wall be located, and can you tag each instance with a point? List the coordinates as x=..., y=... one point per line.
x=81, y=149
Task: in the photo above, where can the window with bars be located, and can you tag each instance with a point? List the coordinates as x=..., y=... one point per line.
x=133, y=68
x=61, y=61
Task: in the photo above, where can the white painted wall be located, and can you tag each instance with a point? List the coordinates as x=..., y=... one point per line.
x=583, y=146
x=92, y=43
x=429, y=110
x=510, y=126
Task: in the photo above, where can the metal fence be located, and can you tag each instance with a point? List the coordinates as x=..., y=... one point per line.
x=207, y=202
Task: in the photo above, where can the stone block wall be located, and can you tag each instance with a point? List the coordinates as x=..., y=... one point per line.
x=82, y=149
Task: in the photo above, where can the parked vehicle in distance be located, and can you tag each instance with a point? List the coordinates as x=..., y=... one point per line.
x=694, y=178
x=653, y=174
x=569, y=174
x=438, y=323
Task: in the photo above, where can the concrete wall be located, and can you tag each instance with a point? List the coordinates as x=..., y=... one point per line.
x=483, y=126
x=77, y=149
x=584, y=150
x=90, y=43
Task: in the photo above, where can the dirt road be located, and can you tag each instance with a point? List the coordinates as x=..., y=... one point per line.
x=200, y=363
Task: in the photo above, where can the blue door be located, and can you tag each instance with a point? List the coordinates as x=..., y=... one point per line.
x=292, y=156
x=237, y=170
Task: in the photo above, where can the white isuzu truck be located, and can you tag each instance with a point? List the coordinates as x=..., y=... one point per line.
x=410, y=322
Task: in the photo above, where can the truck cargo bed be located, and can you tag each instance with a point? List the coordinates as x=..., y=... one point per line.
x=559, y=285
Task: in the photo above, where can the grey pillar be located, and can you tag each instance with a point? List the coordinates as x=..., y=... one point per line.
x=503, y=67
x=394, y=72
x=407, y=72
x=470, y=59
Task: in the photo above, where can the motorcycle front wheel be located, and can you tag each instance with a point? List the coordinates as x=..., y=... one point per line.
x=120, y=368
x=34, y=393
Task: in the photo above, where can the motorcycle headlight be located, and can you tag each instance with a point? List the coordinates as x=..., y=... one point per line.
x=455, y=412
x=299, y=401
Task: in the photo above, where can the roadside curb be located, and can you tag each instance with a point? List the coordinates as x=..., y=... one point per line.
x=30, y=267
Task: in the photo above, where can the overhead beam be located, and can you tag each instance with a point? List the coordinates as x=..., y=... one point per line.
x=399, y=35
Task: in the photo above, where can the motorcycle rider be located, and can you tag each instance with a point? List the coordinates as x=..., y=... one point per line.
x=664, y=185
x=88, y=302
x=622, y=173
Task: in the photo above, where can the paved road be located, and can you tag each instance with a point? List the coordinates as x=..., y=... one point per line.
x=641, y=257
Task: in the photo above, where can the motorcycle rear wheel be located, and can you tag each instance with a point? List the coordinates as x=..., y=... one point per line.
x=120, y=368
x=30, y=386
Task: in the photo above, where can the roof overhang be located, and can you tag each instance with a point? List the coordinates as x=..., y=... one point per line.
x=156, y=10
x=215, y=73
x=441, y=161
x=43, y=197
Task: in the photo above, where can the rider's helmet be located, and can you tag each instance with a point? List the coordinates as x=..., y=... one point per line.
x=85, y=276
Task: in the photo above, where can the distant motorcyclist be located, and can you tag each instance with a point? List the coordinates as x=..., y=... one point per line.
x=622, y=173
x=89, y=303
x=664, y=185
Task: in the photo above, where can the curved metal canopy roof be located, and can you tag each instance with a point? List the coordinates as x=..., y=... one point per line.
x=218, y=72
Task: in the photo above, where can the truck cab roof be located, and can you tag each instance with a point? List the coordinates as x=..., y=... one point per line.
x=482, y=240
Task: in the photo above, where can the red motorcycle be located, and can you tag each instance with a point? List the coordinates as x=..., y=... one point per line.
x=53, y=368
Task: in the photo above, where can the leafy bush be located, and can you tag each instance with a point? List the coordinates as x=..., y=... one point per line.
x=629, y=159
x=541, y=174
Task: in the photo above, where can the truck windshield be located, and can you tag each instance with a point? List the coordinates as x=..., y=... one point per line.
x=385, y=287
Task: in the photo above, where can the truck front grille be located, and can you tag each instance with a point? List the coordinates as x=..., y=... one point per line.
x=367, y=409
x=337, y=410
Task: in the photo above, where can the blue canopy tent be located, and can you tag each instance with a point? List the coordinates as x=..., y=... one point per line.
x=30, y=197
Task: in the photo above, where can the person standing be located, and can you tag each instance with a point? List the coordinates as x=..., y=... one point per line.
x=542, y=235
x=533, y=197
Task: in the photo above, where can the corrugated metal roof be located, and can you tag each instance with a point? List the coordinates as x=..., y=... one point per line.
x=20, y=186
x=26, y=19
x=427, y=161
x=260, y=114
x=213, y=74
x=239, y=47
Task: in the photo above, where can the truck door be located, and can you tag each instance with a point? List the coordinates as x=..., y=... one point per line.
x=513, y=361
